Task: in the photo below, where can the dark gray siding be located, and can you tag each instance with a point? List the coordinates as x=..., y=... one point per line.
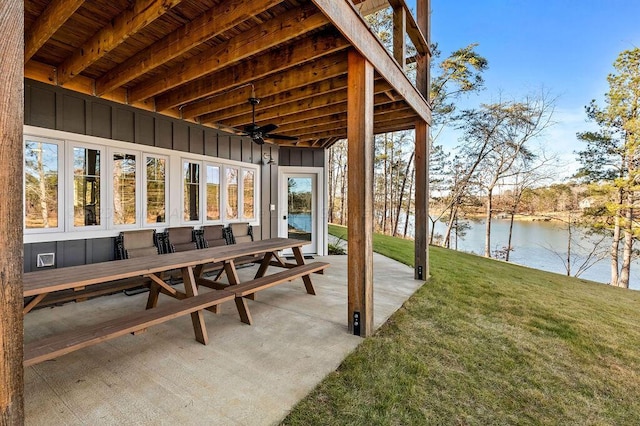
x=302, y=157
x=56, y=108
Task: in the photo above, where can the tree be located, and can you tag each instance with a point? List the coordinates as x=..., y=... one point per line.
x=524, y=178
x=11, y=212
x=612, y=158
x=497, y=137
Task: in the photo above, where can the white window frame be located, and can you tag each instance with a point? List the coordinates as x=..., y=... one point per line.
x=104, y=220
x=220, y=193
x=66, y=142
x=183, y=221
x=61, y=184
x=255, y=194
x=226, y=193
x=111, y=190
x=167, y=182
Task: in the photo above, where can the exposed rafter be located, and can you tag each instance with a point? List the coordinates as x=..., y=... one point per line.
x=276, y=31
x=348, y=20
x=112, y=35
x=327, y=68
x=269, y=63
x=210, y=24
x=201, y=60
x=53, y=17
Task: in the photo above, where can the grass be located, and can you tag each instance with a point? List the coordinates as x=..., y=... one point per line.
x=485, y=342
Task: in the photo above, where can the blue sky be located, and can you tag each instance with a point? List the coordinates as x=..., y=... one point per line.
x=564, y=46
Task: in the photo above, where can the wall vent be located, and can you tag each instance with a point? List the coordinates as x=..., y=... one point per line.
x=46, y=260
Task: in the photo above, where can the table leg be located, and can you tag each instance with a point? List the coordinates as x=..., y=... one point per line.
x=197, y=318
x=264, y=265
x=241, y=303
x=297, y=253
x=33, y=303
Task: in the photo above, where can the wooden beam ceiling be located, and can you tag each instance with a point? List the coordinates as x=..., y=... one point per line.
x=328, y=68
x=301, y=106
x=270, y=63
x=268, y=35
x=54, y=16
x=326, y=86
x=346, y=18
x=210, y=24
x=112, y=35
x=199, y=60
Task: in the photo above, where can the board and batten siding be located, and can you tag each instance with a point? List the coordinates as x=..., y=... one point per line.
x=56, y=108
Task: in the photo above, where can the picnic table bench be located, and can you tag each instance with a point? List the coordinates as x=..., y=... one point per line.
x=39, y=284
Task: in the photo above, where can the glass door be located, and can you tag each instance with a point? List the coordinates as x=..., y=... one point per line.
x=300, y=216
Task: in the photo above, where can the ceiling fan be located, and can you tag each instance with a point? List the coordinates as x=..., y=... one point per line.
x=258, y=134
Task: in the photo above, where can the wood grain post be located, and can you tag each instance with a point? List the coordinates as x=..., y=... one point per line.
x=360, y=191
x=399, y=35
x=421, y=271
x=11, y=259
x=422, y=156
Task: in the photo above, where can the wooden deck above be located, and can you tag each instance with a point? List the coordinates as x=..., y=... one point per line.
x=199, y=60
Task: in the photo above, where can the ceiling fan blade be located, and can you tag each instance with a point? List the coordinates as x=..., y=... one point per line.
x=229, y=129
x=267, y=128
x=281, y=137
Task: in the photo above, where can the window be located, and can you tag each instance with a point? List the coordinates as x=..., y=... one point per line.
x=96, y=188
x=232, y=193
x=213, y=192
x=86, y=186
x=156, y=189
x=191, y=179
x=248, y=191
x=42, y=184
x=124, y=189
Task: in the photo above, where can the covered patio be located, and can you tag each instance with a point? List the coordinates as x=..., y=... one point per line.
x=183, y=76
x=247, y=375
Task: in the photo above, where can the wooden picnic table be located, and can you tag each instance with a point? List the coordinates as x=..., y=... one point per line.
x=191, y=265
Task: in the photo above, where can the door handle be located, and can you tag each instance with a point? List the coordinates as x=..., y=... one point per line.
x=284, y=217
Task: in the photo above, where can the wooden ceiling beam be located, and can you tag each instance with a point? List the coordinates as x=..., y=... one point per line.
x=341, y=133
x=52, y=18
x=267, y=88
x=268, y=64
x=346, y=18
x=273, y=111
x=213, y=22
x=381, y=121
x=276, y=31
x=324, y=87
x=112, y=35
x=401, y=110
x=295, y=116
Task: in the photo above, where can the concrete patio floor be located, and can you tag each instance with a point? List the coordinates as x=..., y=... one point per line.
x=246, y=375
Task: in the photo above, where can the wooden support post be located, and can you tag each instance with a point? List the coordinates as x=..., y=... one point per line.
x=422, y=156
x=421, y=241
x=11, y=260
x=423, y=75
x=360, y=190
x=399, y=35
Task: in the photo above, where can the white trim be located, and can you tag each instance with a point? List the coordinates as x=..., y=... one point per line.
x=110, y=206
x=61, y=182
x=174, y=187
x=143, y=168
x=69, y=196
x=320, y=207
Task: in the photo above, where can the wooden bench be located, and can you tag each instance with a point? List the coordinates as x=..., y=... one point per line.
x=248, y=288
x=64, y=343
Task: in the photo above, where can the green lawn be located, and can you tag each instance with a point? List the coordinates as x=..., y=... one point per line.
x=486, y=342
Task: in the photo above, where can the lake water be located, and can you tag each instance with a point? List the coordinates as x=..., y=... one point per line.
x=534, y=245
